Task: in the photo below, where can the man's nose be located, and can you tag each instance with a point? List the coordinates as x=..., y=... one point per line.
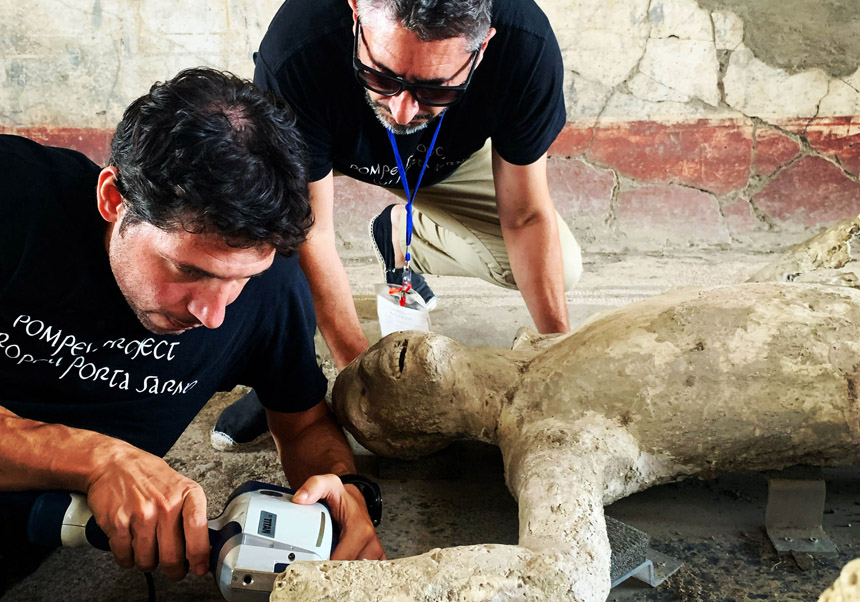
x=209, y=303
x=403, y=107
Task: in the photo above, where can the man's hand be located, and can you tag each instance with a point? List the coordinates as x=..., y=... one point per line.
x=358, y=540
x=311, y=443
x=152, y=515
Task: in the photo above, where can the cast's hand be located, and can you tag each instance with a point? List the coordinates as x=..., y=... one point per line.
x=358, y=540
x=152, y=515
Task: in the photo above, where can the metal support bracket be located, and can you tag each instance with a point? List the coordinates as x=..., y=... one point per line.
x=655, y=570
x=793, y=517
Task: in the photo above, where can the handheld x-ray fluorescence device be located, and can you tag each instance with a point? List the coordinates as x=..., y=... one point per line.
x=258, y=535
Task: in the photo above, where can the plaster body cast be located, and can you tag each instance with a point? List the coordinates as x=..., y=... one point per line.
x=690, y=382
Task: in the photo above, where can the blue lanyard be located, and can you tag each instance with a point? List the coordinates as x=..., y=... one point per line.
x=411, y=197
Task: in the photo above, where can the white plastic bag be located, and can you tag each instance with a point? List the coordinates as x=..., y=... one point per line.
x=393, y=317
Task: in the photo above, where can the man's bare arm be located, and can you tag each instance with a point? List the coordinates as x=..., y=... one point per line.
x=530, y=229
x=310, y=443
x=336, y=315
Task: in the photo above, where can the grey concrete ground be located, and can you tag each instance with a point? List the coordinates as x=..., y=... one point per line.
x=459, y=497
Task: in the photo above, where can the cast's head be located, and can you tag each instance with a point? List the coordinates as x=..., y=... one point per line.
x=403, y=396
x=417, y=57
x=207, y=181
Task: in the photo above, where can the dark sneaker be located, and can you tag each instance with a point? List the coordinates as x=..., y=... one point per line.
x=242, y=425
x=380, y=236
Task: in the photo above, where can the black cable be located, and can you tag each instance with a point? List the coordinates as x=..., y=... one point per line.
x=150, y=586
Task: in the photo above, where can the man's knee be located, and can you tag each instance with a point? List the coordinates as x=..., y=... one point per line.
x=571, y=256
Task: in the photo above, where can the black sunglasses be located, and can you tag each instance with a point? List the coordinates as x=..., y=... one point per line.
x=389, y=85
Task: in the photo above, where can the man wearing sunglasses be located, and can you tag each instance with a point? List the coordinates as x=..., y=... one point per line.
x=472, y=88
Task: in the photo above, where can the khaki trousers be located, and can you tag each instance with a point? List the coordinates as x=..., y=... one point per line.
x=456, y=230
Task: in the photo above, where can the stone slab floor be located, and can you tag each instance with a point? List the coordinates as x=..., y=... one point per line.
x=459, y=496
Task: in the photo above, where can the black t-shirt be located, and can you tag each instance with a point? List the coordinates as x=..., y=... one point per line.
x=73, y=352
x=516, y=95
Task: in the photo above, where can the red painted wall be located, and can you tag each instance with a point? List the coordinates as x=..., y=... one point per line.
x=705, y=182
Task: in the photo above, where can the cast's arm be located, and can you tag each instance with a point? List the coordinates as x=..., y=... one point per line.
x=337, y=318
x=152, y=515
x=530, y=229
x=313, y=450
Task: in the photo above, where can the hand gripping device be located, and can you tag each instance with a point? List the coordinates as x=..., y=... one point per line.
x=258, y=535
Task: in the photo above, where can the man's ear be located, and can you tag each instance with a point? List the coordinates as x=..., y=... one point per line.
x=490, y=34
x=353, y=4
x=108, y=195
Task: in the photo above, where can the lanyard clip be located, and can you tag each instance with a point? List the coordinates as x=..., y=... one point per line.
x=405, y=286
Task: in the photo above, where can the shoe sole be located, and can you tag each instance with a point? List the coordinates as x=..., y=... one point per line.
x=223, y=442
x=376, y=250
x=431, y=304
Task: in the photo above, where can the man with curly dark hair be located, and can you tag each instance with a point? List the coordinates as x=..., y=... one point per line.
x=130, y=294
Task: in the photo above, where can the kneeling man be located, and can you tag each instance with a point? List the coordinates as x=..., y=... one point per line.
x=130, y=294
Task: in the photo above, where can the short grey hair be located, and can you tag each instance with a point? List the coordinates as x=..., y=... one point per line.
x=433, y=20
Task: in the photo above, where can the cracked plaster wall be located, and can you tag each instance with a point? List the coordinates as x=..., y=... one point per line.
x=709, y=122
x=78, y=63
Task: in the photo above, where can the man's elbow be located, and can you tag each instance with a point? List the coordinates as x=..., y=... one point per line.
x=527, y=219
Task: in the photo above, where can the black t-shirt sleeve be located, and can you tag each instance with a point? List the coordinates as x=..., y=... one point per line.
x=282, y=364
x=33, y=176
x=16, y=213
x=534, y=117
x=301, y=93
x=11, y=238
